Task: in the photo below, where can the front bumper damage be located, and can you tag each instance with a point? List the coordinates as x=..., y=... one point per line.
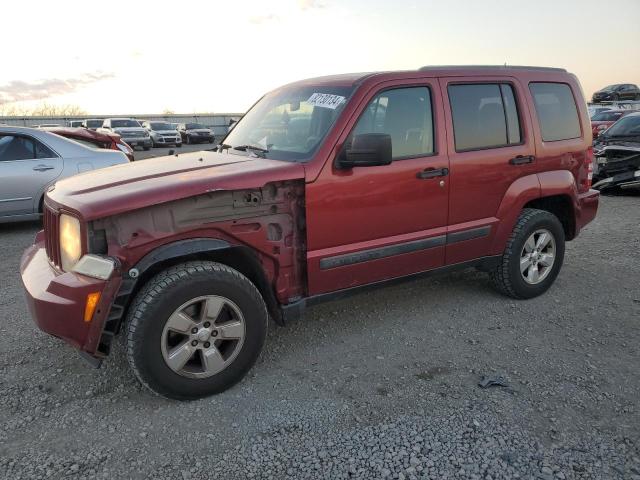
x=57, y=300
x=617, y=169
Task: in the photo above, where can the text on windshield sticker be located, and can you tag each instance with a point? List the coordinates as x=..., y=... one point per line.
x=326, y=100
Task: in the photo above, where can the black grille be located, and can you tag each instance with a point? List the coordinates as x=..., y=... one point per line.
x=51, y=234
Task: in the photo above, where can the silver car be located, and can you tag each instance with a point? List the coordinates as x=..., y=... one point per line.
x=129, y=129
x=162, y=133
x=33, y=159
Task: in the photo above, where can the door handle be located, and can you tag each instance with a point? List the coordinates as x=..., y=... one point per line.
x=432, y=173
x=42, y=168
x=522, y=159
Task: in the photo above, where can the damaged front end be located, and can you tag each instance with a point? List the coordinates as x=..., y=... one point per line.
x=617, y=169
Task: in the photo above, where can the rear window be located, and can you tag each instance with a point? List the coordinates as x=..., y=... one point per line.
x=484, y=116
x=606, y=116
x=557, y=111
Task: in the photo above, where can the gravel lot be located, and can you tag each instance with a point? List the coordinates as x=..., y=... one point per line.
x=380, y=385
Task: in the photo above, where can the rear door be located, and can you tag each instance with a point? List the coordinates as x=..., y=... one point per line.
x=490, y=147
x=368, y=224
x=26, y=168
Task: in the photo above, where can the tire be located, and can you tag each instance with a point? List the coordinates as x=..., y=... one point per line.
x=508, y=277
x=162, y=299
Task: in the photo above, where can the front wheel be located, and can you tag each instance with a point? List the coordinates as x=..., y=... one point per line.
x=195, y=330
x=533, y=256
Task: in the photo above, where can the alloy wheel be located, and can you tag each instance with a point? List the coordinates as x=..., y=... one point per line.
x=537, y=256
x=203, y=336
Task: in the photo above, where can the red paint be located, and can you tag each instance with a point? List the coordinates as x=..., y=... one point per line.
x=331, y=212
x=109, y=141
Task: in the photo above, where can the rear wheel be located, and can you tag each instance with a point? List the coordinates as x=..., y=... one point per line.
x=533, y=256
x=195, y=329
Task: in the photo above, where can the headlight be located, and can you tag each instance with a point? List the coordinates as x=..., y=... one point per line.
x=70, y=241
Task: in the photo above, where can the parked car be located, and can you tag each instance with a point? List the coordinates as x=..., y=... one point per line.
x=613, y=93
x=162, y=134
x=47, y=125
x=618, y=156
x=195, y=133
x=93, y=139
x=31, y=160
x=92, y=123
x=129, y=129
x=75, y=123
x=603, y=120
x=594, y=110
x=323, y=187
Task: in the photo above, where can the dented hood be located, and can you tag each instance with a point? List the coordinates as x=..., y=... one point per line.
x=109, y=191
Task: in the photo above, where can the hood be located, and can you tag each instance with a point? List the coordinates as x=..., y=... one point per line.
x=165, y=132
x=109, y=191
x=128, y=129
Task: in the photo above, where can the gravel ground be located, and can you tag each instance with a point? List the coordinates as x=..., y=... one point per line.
x=380, y=385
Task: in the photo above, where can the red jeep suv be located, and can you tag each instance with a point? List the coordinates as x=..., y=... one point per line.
x=325, y=186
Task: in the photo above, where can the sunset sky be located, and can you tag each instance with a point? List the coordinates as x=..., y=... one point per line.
x=112, y=57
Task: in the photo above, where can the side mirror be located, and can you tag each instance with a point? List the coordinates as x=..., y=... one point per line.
x=367, y=150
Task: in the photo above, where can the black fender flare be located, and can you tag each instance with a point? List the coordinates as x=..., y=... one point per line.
x=178, y=249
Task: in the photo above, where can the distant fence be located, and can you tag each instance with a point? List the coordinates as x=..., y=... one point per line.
x=219, y=122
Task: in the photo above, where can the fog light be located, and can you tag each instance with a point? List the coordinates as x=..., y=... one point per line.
x=90, y=307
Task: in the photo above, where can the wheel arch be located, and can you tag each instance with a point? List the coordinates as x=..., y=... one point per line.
x=240, y=258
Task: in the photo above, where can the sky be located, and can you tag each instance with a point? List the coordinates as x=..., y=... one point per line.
x=136, y=57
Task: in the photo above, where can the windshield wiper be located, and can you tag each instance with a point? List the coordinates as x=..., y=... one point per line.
x=253, y=148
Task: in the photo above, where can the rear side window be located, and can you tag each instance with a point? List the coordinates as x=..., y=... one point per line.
x=406, y=115
x=484, y=116
x=557, y=111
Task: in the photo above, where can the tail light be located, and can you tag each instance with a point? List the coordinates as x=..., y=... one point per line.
x=586, y=174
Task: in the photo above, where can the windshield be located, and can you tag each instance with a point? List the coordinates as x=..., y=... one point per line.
x=194, y=126
x=609, y=87
x=161, y=126
x=93, y=123
x=124, y=123
x=290, y=123
x=626, y=126
x=606, y=116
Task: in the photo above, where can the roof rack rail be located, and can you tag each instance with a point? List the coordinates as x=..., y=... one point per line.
x=489, y=67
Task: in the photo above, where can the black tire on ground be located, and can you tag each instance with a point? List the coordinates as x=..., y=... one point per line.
x=165, y=293
x=507, y=277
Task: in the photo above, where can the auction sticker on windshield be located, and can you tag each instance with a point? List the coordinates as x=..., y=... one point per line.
x=326, y=100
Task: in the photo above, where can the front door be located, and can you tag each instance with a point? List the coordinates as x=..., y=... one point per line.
x=26, y=167
x=367, y=224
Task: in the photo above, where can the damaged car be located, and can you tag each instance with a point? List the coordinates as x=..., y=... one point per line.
x=324, y=187
x=617, y=154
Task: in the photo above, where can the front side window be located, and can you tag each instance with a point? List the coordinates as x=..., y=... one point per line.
x=406, y=115
x=484, y=116
x=289, y=123
x=557, y=111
